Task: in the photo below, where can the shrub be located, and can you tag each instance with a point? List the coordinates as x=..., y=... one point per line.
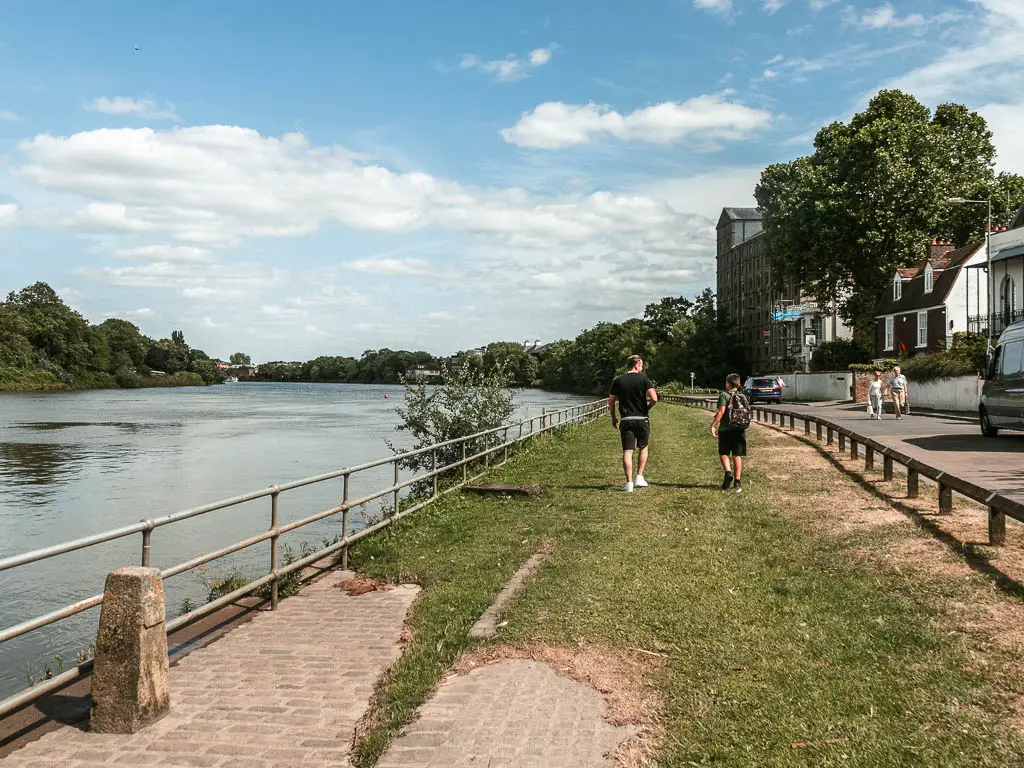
x=127, y=377
x=965, y=357
x=838, y=355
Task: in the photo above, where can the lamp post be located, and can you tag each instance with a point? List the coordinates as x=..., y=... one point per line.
x=988, y=256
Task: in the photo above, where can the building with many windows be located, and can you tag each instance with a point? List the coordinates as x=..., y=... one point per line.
x=778, y=327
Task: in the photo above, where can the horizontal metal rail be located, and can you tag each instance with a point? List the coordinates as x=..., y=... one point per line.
x=499, y=439
x=999, y=506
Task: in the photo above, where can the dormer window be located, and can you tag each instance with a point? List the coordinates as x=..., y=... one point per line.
x=929, y=278
x=897, y=287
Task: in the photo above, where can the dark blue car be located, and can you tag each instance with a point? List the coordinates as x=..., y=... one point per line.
x=764, y=388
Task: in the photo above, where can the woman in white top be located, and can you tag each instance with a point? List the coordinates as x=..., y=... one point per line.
x=875, y=397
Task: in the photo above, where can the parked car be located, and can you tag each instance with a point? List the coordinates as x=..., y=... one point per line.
x=766, y=388
x=1002, y=395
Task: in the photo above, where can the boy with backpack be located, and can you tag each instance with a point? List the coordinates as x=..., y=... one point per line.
x=730, y=427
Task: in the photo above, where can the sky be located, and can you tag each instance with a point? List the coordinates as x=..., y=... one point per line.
x=327, y=177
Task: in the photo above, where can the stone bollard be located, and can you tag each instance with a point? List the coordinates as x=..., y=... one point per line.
x=129, y=679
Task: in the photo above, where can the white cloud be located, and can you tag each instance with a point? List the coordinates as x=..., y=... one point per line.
x=145, y=108
x=771, y=6
x=554, y=124
x=1006, y=121
x=509, y=69
x=386, y=266
x=820, y=5
x=227, y=282
x=164, y=252
x=9, y=213
x=131, y=314
x=6, y=115
x=885, y=16
x=718, y=6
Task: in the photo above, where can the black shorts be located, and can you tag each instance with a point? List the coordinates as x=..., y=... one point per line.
x=732, y=442
x=635, y=433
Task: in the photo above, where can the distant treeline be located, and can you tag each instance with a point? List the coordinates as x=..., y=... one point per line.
x=44, y=344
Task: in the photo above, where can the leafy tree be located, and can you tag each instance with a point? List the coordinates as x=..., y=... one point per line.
x=838, y=355
x=466, y=402
x=661, y=317
x=122, y=336
x=54, y=330
x=512, y=358
x=873, y=194
x=239, y=358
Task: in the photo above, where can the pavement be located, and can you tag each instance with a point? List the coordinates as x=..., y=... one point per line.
x=951, y=444
x=285, y=689
x=523, y=715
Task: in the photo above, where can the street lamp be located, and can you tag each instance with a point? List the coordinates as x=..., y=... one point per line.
x=988, y=254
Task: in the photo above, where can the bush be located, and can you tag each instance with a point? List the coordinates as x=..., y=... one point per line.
x=966, y=357
x=467, y=401
x=838, y=355
x=22, y=380
x=127, y=377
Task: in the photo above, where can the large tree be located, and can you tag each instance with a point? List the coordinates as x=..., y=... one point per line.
x=873, y=194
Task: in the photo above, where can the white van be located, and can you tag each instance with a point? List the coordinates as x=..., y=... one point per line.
x=1002, y=396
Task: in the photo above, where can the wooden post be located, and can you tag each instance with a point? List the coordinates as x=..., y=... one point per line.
x=807, y=427
x=996, y=527
x=854, y=449
x=913, y=481
x=869, y=457
x=829, y=436
x=818, y=428
x=842, y=443
x=945, y=499
x=792, y=421
x=887, y=469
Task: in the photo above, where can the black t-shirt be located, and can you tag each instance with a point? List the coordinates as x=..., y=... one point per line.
x=631, y=391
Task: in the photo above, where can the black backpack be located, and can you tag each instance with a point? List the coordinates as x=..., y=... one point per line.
x=737, y=414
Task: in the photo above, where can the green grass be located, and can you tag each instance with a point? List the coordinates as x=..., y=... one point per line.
x=20, y=380
x=830, y=646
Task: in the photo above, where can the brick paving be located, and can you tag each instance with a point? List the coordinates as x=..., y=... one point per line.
x=284, y=690
x=513, y=713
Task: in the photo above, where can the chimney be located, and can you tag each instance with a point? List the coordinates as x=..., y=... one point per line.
x=939, y=248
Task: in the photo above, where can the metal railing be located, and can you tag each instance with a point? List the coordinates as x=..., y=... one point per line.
x=999, y=506
x=475, y=449
x=998, y=322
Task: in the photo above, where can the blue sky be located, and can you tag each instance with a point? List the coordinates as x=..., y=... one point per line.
x=334, y=176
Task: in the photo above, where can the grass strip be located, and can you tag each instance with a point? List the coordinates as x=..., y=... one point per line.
x=774, y=633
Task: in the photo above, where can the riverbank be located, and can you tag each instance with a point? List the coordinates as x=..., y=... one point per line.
x=801, y=620
x=21, y=380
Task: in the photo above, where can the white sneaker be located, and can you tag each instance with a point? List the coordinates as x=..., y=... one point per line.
x=640, y=482
x=628, y=488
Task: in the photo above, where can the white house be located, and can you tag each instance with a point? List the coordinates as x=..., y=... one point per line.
x=1007, y=275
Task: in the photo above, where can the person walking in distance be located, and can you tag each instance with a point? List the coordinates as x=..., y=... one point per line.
x=875, y=397
x=732, y=418
x=635, y=395
x=898, y=387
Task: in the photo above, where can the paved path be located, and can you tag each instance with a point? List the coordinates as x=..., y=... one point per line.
x=286, y=689
x=512, y=713
x=953, y=445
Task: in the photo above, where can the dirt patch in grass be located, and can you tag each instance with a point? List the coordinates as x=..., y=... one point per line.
x=624, y=679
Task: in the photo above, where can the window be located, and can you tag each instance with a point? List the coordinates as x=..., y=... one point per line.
x=1011, y=362
x=1008, y=297
x=922, y=329
x=888, y=332
x=897, y=287
x=929, y=278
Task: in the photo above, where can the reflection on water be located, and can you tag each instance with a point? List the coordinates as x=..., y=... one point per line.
x=76, y=464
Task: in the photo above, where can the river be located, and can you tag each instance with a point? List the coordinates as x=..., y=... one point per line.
x=80, y=463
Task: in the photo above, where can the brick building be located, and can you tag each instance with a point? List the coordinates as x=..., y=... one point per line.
x=777, y=327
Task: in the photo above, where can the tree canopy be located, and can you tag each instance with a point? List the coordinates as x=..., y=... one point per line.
x=875, y=191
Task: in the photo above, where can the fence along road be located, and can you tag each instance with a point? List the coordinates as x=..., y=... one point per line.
x=464, y=454
x=828, y=430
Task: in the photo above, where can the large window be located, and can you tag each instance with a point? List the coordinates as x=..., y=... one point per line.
x=929, y=278
x=1012, y=362
x=897, y=287
x=922, y=329
x=888, y=332
x=1008, y=297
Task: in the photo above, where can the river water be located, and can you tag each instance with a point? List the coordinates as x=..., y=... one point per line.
x=76, y=464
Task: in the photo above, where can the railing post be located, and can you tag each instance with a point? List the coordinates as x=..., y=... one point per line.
x=395, y=462
x=146, y=536
x=829, y=436
x=854, y=449
x=506, y=446
x=344, y=522
x=465, y=469
x=913, y=482
x=887, y=469
x=842, y=443
x=433, y=470
x=869, y=457
x=945, y=498
x=276, y=583
x=996, y=525
x=792, y=421
x=543, y=418
x=807, y=426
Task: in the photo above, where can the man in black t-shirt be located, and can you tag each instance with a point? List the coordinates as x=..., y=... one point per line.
x=635, y=396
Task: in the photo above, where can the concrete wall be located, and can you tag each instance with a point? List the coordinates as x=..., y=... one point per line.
x=817, y=387
x=957, y=394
